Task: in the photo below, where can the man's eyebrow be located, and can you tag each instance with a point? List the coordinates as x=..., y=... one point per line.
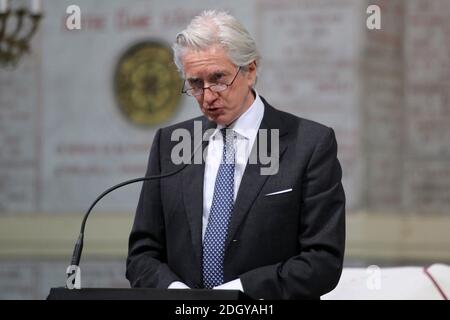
x=193, y=79
x=214, y=74
x=220, y=73
x=217, y=74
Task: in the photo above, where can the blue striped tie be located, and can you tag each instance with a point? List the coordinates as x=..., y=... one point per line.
x=219, y=215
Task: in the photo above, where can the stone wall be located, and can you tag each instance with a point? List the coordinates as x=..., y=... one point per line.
x=385, y=92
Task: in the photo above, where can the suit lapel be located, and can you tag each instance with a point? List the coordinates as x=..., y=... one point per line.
x=250, y=187
x=252, y=180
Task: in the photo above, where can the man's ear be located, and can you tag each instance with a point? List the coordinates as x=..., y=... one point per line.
x=251, y=74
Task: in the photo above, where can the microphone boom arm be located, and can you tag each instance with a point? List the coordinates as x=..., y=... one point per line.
x=73, y=271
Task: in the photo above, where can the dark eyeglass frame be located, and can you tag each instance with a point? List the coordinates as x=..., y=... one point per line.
x=217, y=87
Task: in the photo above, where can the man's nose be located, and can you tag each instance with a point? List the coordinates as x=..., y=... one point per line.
x=209, y=96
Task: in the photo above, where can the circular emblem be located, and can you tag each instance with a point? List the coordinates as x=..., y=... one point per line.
x=147, y=84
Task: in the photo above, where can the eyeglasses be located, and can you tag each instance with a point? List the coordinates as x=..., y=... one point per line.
x=217, y=87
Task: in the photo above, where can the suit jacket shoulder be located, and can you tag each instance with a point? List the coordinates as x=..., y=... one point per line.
x=304, y=131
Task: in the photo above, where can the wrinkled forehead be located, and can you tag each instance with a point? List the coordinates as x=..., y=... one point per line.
x=202, y=63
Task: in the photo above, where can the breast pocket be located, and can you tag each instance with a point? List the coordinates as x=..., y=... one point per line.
x=277, y=201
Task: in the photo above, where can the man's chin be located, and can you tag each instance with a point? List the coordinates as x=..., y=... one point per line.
x=220, y=119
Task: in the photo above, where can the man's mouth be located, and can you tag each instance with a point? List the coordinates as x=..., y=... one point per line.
x=213, y=109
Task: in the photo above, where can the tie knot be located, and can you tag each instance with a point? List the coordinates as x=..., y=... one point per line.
x=227, y=134
x=228, y=145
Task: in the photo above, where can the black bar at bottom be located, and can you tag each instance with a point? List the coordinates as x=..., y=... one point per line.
x=144, y=294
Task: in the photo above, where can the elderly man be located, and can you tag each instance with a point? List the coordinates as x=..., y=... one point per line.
x=222, y=224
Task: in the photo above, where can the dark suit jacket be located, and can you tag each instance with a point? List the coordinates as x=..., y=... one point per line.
x=283, y=246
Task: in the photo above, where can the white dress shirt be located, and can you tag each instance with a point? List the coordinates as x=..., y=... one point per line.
x=246, y=128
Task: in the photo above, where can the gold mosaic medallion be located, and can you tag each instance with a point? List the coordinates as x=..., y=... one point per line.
x=147, y=84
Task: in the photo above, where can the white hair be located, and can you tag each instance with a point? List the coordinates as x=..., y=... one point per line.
x=212, y=28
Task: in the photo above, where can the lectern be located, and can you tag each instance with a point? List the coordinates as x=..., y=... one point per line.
x=144, y=294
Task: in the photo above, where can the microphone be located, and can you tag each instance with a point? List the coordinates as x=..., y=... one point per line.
x=73, y=270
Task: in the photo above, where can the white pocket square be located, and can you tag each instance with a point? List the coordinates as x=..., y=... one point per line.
x=279, y=192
